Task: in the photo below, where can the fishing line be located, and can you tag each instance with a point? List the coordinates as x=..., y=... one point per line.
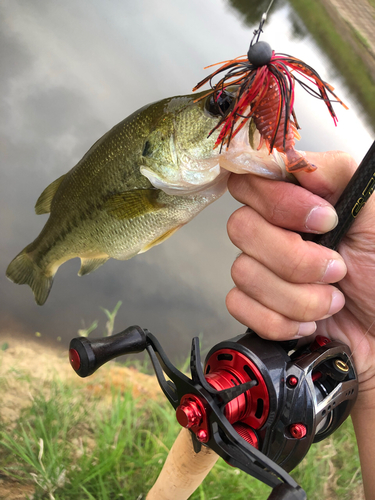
x=362, y=339
x=262, y=21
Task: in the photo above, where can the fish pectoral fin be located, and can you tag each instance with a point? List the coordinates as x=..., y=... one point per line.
x=43, y=204
x=161, y=238
x=132, y=204
x=89, y=265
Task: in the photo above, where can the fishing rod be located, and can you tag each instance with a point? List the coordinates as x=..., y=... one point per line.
x=258, y=404
x=351, y=202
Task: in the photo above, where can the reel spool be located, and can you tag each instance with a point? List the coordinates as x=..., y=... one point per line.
x=258, y=404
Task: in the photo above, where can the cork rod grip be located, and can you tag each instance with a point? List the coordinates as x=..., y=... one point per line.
x=183, y=471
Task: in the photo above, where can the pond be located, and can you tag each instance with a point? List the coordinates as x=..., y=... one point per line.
x=69, y=72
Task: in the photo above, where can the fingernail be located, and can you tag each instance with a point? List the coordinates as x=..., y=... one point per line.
x=321, y=219
x=335, y=271
x=338, y=302
x=306, y=329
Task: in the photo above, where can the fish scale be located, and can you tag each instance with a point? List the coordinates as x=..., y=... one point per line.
x=144, y=179
x=104, y=207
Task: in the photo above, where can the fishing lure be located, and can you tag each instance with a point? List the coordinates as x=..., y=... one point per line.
x=266, y=82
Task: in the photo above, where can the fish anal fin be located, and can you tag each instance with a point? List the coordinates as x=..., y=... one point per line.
x=132, y=204
x=161, y=238
x=43, y=204
x=89, y=265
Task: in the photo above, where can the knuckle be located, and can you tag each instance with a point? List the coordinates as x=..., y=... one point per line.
x=311, y=304
x=238, y=270
x=297, y=271
x=280, y=207
x=303, y=265
x=345, y=159
x=237, y=185
x=277, y=327
x=276, y=211
x=238, y=224
x=237, y=305
x=231, y=300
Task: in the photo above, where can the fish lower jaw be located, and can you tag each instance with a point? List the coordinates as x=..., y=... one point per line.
x=250, y=162
x=189, y=182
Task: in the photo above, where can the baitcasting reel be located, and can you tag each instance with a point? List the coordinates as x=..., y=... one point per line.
x=258, y=404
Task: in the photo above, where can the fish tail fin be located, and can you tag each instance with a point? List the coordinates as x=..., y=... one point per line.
x=23, y=270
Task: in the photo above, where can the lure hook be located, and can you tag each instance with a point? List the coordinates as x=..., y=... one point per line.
x=262, y=21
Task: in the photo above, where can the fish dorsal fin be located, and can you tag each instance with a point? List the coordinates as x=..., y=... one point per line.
x=43, y=204
x=132, y=204
x=89, y=265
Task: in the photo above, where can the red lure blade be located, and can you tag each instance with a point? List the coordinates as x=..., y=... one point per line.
x=266, y=83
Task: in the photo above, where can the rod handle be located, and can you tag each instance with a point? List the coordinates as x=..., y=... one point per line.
x=353, y=199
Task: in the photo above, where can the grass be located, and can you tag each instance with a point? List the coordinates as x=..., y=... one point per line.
x=72, y=444
x=361, y=38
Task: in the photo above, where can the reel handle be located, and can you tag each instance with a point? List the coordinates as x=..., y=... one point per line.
x=86, y=356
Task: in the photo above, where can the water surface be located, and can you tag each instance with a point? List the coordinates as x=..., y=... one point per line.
x=69, y=72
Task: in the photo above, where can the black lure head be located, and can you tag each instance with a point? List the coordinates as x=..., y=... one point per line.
x=259, y=54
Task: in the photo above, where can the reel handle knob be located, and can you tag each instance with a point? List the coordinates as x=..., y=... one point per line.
x=286, y=492
x=86, y=356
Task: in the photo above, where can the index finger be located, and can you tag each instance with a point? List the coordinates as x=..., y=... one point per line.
x=304, y=208
x=334, y=171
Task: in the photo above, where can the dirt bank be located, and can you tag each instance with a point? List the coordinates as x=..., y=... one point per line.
x=26, y=366
x=355, y=21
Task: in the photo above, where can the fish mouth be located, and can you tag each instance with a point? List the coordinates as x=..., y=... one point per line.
x=244, y=157
x=188, y=174
x=190, y=182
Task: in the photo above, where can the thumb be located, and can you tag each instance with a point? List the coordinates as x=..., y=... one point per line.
x=334, y=170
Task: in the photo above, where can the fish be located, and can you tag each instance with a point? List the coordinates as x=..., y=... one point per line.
x=137, y=185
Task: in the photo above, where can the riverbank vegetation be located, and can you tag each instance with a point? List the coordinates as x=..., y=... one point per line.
x=107, y=437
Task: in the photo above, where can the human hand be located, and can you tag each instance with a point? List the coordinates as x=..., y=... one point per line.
x=284, y=284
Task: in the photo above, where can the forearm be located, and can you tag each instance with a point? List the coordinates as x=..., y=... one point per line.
x=363, y=417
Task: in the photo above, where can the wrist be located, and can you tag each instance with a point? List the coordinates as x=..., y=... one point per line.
x=366, y=398
x=363, y=418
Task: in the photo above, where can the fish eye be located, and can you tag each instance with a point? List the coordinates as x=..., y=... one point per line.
x=218, y=106
x=147, y=149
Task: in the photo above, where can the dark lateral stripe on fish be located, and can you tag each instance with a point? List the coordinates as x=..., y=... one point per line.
x=70, y=225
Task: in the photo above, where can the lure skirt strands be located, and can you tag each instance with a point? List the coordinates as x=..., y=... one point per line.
x=266, y=83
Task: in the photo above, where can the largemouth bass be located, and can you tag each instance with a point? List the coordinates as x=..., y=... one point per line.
x=144, y=179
